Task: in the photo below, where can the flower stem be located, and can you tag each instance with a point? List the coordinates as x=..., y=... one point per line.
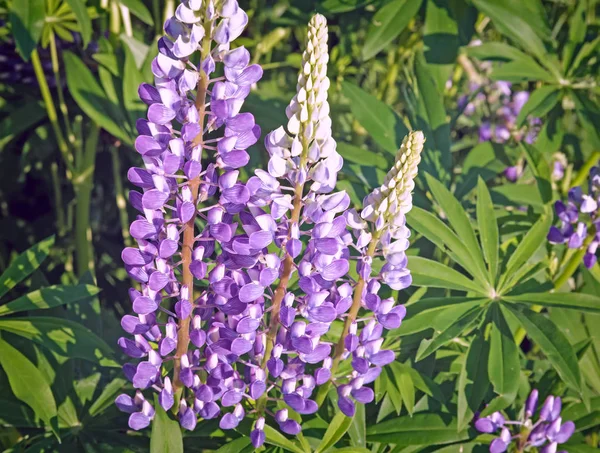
x=83, y=184
x=58, y=200
x=279, y=294
x=62, y=105
x=183, y=331
x=119, y=195
x=51, y=111
x=340, y=346
x=584, y=171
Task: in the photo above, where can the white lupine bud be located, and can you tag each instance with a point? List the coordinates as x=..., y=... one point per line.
x=394, y=196
x=309, y=125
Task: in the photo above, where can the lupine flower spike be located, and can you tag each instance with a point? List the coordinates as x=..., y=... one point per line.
x=248, y=333
x=580, y=220
x=545, y=433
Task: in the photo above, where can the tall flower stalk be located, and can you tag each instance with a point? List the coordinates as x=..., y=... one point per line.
x=241, y=281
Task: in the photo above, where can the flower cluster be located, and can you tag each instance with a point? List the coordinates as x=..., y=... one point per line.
x=545, y=434
x=580, y=219
x=500, y=107
x=241, y=281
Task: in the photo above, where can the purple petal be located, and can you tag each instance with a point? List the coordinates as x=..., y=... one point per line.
x=335, y=270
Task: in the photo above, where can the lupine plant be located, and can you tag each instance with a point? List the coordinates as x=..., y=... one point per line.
x=299, y=226
x=248, y=336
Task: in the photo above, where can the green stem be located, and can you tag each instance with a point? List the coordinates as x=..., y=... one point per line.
x=115, y=20
x=51, y=111
x=62, y=105
x=119, y=195
x=83, y=184
x=58, y=200
x=584, y=171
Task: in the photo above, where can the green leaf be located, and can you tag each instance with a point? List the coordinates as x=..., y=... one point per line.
x=441, y=40
x=341, y=6
x=459, y=220
x=407, y=391
x=573, y=301
x=473, y=381
x=62, y=336
x=360, y=156
x=53, y=296
x=166, y=433
x=274, y=437
x=419, y=381
x=421, y=429
x=107, y=397
x=336, y=430
x=358, y=429
x=517, y=66
x=503, y=364
x=442, y=236
x=235, y=446
x=463, y=324
x=27, y=22
x=24, y=265
x=488, y=229
x=426, y=272
x=27, y=383
x=19, y=119
x=432, y=119
x=540, y=103
x=380, y=121
x=83, y=19
x=139, y=10
x=517, y=195
x=387, y=24
x=551, y=341
x=534, y=238
x=92, y=99
x=540, y=169
x=485, y=160
x=132, y=78
x=514, y=23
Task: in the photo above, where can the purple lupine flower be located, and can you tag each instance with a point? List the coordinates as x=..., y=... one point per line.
x=545, y=434
x=580, y=219
x=175, y=188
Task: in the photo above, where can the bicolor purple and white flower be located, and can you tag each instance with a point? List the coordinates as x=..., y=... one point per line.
x=545, y=433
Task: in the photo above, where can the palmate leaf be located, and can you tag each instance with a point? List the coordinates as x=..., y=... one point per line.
x=503, y=364
x=421, y=429
x=387, y=24
x=25, y=264
x=551, y=341
x=341, y=6
x=27, y=383
x=516, y=66
x=473, y=381
x=443, y=237
x=63, y=337
x=27, y=23
x=419, y=381
x=460, y=222
x=83, y=19
x=358, y=429
x=53, y=296
x=139, y=10
x=512, y=19
x=533, y=240
x=426, y=272
x=462, y=325
x=488, y=229
x=166, y=433
x=435, y=313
